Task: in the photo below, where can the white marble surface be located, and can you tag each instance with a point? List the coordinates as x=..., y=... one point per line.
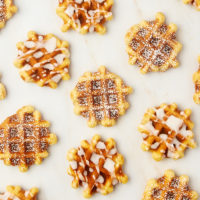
x=87, y=53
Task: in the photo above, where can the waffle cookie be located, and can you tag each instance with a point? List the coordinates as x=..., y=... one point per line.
x=169, y=187
x=25, y=138
x=96, y=166
x=196, y=79
x=85, y=15
x=2, y=91
x=7, y=9
x=100, y=97
x=43, y=59
x=152, y=45
x=195, y=3
x=17, y=193
x=167, y=131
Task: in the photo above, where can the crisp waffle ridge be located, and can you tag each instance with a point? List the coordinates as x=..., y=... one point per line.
x=7, y=9
x=96, y=166
x=169, y=187
x=85, y=15
x=167, y=131
x=152, y=45
x=3, y=92
x=196, y=79
x=100, y=97
x=25, y=138
x=17, y=193
x=43, y=59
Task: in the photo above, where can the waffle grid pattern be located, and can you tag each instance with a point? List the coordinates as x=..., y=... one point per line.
x=97, y=166
x=152, y=45
x=43, y=59
x=7, y=9
x=100, y=97
x=167, y=132
x=24, y=139
x=196, y=79
x=17, y=193
x=85, y=15
x=169, y=187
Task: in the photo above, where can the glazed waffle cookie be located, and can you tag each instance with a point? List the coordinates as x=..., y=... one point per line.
x=152, y=45
x=100, y=97
x=167, y=131
x=169, y=187
x=17, y=193
x=43, y=59
x=7, y=9
x=196, y=79
x=24, y=138
x=195, y=3
x=97, y=166
x=85, y=15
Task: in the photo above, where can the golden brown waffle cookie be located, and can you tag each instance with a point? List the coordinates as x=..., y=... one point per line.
x=17, y=193
x=2, y=91
x=195, y=3
x=25, y=138
x=169, y=187
x=196, y=79
x=43, y=59
x=85, y=15
x=152, y=45
x=7, y=9
x=100, y=97
x=97, y=166
x=167, y=131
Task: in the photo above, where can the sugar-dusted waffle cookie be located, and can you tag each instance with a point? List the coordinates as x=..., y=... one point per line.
x=152, y=45
x=169, y=187
x=7, y=9
x=43, y=59
x=100, y=97
x=97, y=166
x=195, y=3
x=17, y=193
x=196, y=79
x=85, y=15
x=25, y=138
x=167, y=131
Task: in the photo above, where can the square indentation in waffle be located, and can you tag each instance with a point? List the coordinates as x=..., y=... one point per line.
x=17, y=193
x=24, y=138
x=167, y=131
x=195, y=3
x=96, y=166
x=7, y=9
x=152, y=45
x=2, y=10
x=43, y=59
x=85, y=15
x=169, y=187
x=100, y=97
x=196, y=79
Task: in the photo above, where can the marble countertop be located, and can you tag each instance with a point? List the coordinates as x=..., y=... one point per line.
x=88, y=52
